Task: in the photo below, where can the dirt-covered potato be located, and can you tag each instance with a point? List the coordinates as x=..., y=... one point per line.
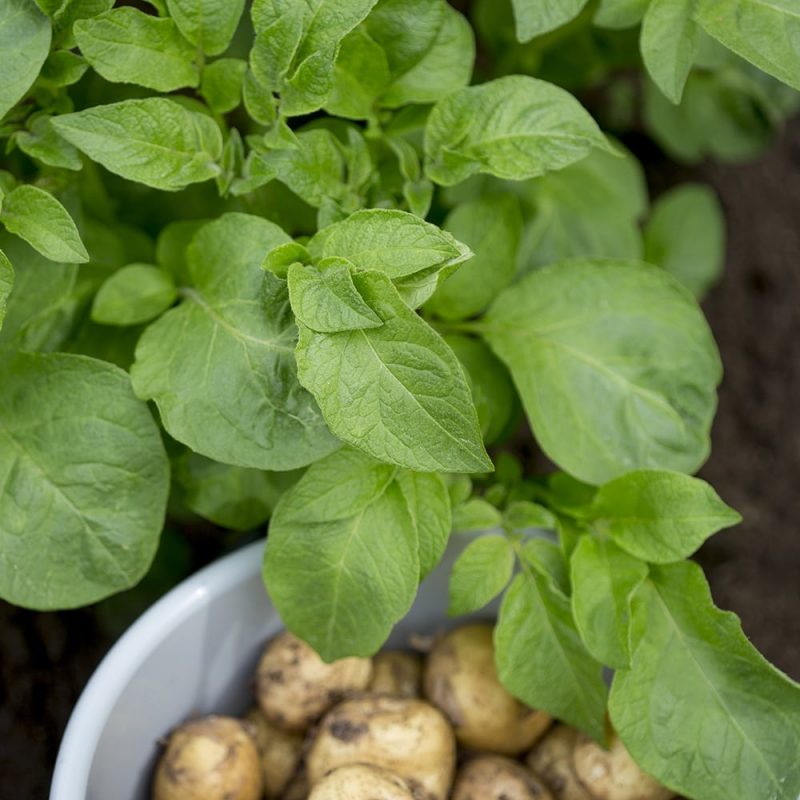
x=461, y=679
x=408, y=737
x=295, y=687
x=214, y=758
x=497, y=778
x=552, y=758
x=279, y=751
x=360, y=782
x=396, y=672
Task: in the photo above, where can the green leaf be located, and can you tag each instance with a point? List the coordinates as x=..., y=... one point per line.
x=535, y=17
x=541, y=659
x=765, y=32
x=6, y=284
x=326, y=300
x=514, y=127
x=491, y=226
x=135, y=294
x=524, y=514
x=428, y=503
x=604, y=578
x=220, y=366
x=547, y=558
x=85, y=481
x=686, y=236
x=617, y=14
x=615, y=364
x=37, y=217
x=63, y=68
x=397, y=392
x=24, y=42
x=341, y=582
x=125, y=45
x=155, y=141
x=396, y=243
x=475, y=514
x=234, y=497
x=661, y=516
x=173, y=240
x=42, y=143
x=208, y=24
x=258, y=100
x=480, y=573
x=669, y=44
x=700, y=709
x=296, y=45
x=221, y=84
x=73, y=10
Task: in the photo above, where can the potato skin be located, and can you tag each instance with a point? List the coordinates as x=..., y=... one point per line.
x=552, y=758
x=279, y=753
x=461, y=680
x=405, y=736
x=295, y=687
x=497, y=778
x=214, y=758
x=360, y=782
x=397, y=673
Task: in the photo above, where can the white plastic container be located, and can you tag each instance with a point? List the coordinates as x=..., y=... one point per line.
x=194, y=652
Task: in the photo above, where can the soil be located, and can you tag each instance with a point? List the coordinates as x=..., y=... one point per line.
x=754, y=570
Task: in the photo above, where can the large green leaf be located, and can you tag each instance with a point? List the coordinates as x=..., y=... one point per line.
x=397, y=391
x=85, y=481
x=535, y=17
x=155, y=141
x=24, y=42
x=615, y=364
x=220, y=366
x=209, y=24
x=514, y=127
x=700, y=709
x=669, y=44
x=342, y=580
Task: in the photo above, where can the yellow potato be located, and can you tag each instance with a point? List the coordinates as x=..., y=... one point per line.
x=360, y=782
x=552, y=759
x=498, y=778
x=396, y=672
x=279, y=752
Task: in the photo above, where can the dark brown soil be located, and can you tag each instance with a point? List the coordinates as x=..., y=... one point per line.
x=45, y=659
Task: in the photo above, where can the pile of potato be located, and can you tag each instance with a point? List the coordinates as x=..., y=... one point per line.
x=392, y=728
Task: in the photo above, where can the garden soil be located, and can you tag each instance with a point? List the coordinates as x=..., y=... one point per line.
x=754, y=570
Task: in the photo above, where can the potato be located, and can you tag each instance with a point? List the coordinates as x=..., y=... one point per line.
x=298, y=787
x=360, y=782
x=396, y=672
x=279, y=753
x=214, y=758
x=461, y=679
x=498, y=778
x=552, y=758
x=295, y=687
x=408, y=737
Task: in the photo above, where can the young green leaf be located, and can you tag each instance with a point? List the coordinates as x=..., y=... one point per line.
x=173, y=240
x=221, y=84
x=37, y=217
x=135, y=294
x=669, y=44
x=480, y=573
x=125, y=45
x=604, y=577
x=475, y=514
x=686, y=236
x=208, y=24
x=514, y=127
x=765, y=32
x=341, y=582
x=155, y=141
x=547, y=558
x=700, y=709
x=42, y=143
x=397, y=392
x=541, y=658
x=535, y=17
x=491, y=226
x=326, y=300
x=220, y=366
x=74, y=435
x=63, y=68
x=71, y=11
x=6, y=284
x=617, y=14
x=660, y=516
x=523, y=514
x=615, y=364
x=24, y=42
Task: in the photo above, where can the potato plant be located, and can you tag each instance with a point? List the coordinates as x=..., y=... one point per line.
x=303, y=261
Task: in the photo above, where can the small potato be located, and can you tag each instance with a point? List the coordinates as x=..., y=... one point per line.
x=360, y=782
x=552, y=758
x=295, y=687
x=396, y=672
x=298, y=787
x=279, y=752
x=214, y=758
x=612, y=774
x=497, y=778
x=461, y=679
x=405, y=736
